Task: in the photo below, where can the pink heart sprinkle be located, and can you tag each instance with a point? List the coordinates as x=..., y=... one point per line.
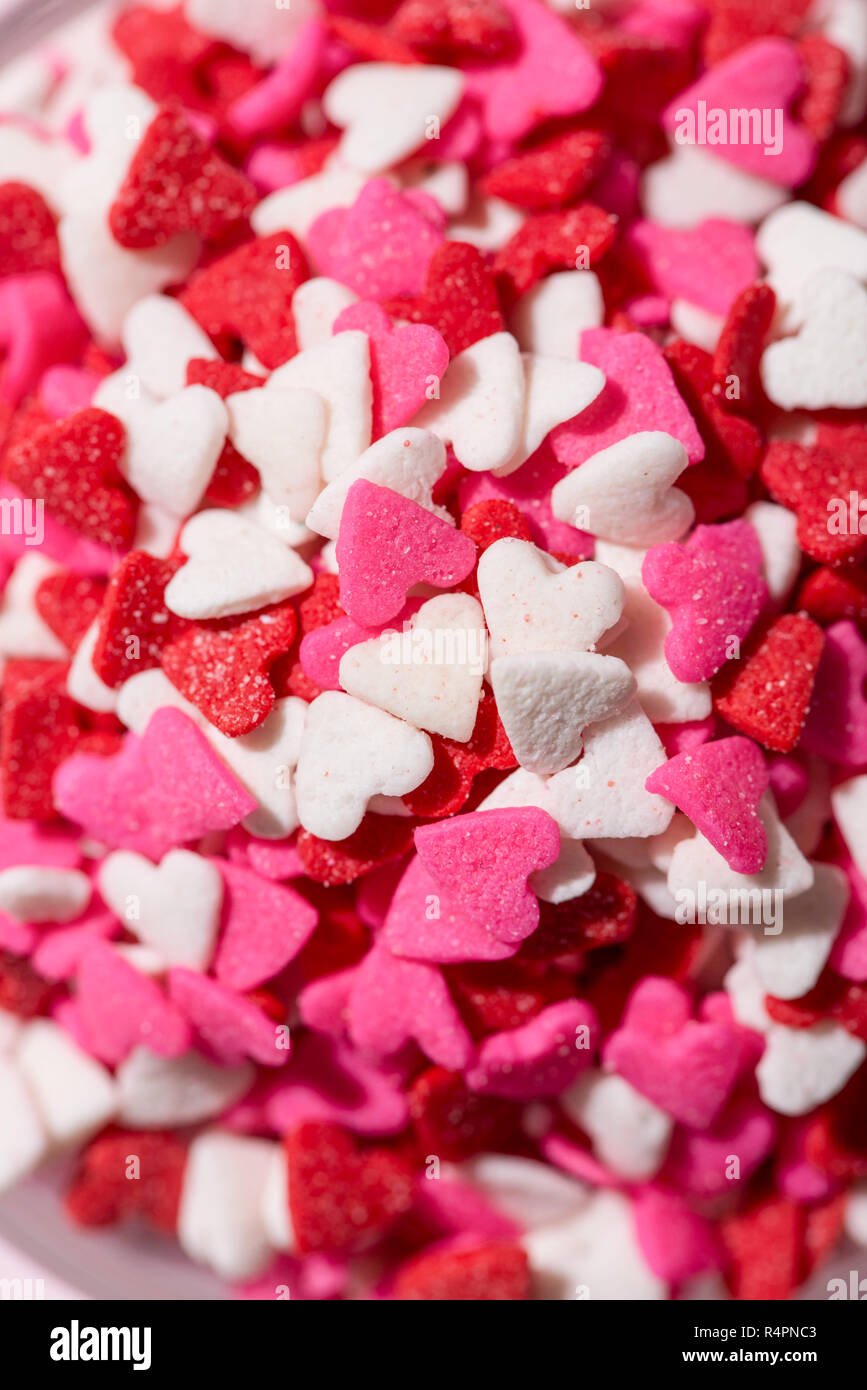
x=707, y=265
x=231, y=1027
x=320, y=651
x=762, y=79
x=541, y=1058
x=65, y=390
x=677, y=1242
x=425, y=923
x=263, y=926
x=329, y=1080
x=484, y=861
x=719, y=786
x=790, y=782
x=639, y=394
x=849, y=954
x=553, y=74
x=404, y=362
x=421, y=548
x=162, y=790
x=836, y=725
x=39, y=326
x=713, y=588
x=688, y=1070
x=381, y=246
x=120, y=1008
x=697, y=1162
x=396, y=1001
x=277, y=100
x=60, y=949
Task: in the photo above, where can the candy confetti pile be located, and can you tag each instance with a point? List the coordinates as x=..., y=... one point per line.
x=433, y=742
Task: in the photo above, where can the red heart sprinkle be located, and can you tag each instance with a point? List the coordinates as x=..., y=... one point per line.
x=73, y=467
x=766, y=694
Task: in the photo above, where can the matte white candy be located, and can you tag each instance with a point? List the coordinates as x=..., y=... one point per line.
x=595, y=1255
x=604, y=793
x=38, y=893
x=691, y=185
x=74, y=1094
x=746, y=993
x=115, y=118
x=171, y=445
x=825, y=364
x=173, y=906
x=276, y=1216
x=789, y=965
x=849, y=804
x=338, y=371
x=856, y=1213
x=630, y=1134
x=851, y=197
x=408, y=460
x=798, y=241
x=640, y=642
x=695, y=325
x=10, y=1030
x=23, y=1141
x=431, y=675
x=154, y=1091
x=233, y=567
x=626, y=492
x=571, y=874
x=776, y=528
x=315, y=306
x=82, y=683
x=220, y=1220
x=265, y=31
x=488, y=223
x=480, y=411
x=387, y=110
x=529, y=1192
x=22, y=631
x=695, y=862
x=106, y=280
x=446, y=180
x=803, y=1067
x=546, y=699
x=25, y=158
x=533, y=603
x=554, y=391
x=282, y=434
x=844, y=22
x=550, y=318
x=349, y=753
x=159, y=338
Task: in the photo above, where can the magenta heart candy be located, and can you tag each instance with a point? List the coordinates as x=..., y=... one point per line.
x=162, y=790
x=263, y=926
x=397, y=1001
x=424, y=922
x=719, y=786
x=484, y=861
x=712, y=586
x=541, y=1058
x=756, y=88
x=120, y=1008
x=639, y=395
x=421, y=548
x=405, y=362
x=230, y=1026
x=329, y=1080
